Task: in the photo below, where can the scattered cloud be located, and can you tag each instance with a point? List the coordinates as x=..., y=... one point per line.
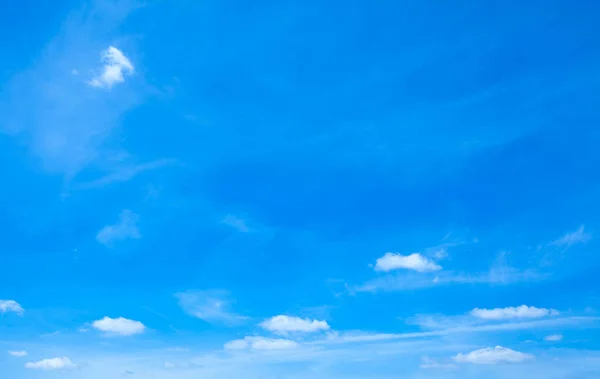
x=119, y=326
x=522, y=311
x=213, y=306
x=430, y=363
x=116, y=65
x=51, y=364
x=20, y=353
x=573, y=238
x=492, y=356
x=554, y=337
x=261, y=343
x=287, y=324
x=11, y=306
x=126, y=228
x=415, y=261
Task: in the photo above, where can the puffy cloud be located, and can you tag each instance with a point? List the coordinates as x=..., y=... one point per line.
x=124, y=229
x=212, y=306
x=116, y=64
x=261, y=343
x=492, y=356
x=415, y=261
x=522, y=311
x=20, y=353
x=51, y=364
x=11, y=306
x=554, y=337
x=286, y=324
x=570, y=239
x=120, y=326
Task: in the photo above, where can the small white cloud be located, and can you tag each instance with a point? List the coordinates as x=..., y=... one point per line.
x=169, y=365
x=287, y=324
x=415, y=261
x=51, y=364
x=116, y=65
x=126, y=228
x=120, y=326
x=20, y=353
x=554, y=337
x=11, y=306
x=570, y=239
x=261, y=343
x=522, y=311
x=492, y=356
x=212, y=306
x=429, y=363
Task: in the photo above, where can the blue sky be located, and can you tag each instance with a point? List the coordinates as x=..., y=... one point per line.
x=299, y=189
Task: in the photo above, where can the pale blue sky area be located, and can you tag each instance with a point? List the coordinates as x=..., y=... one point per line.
x=198, y=189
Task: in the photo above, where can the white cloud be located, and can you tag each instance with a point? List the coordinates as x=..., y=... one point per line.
x=554, y=337
x=430, y=363
x=51, y=364
x=285, y=324
x=20, y=353
x=123, y=174
x=570, y=239
x=492, y=356
x=261, y=343
x=11, y=306
x=120, y=326
x=522, y=311
x=415, y=261
x=116, y=64
x=210, y=305
x=124, y=229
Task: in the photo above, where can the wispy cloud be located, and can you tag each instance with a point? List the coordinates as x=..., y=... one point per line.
x=119, y=326
x=430, y=363
x=554, y=337
x=573, y=238
x=283, y=324
x=126, y=173
x=522, y=311
x=116, y=65
x=415, y=261
x=51, y=364
x=20, y=353
x=213, y=306
x=63, y=122
x=261, y=343
x=492, y=356
x=126, y=228
x=237, y=223
x=11, y=306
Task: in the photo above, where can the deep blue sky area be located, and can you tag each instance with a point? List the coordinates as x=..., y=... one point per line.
x=299, y=189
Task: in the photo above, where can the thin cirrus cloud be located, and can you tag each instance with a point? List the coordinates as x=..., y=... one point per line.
x=125, y=228
x=572, y=238
x=119, y=326
x=492, y=356
x=507, y=313
x=415, y=262
x=283, y=324
x=261, y=343
x=213, y=306
x=18, y=354
x=116, y=66
x=7, y=306
x=51, y=364
x=554, y=338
